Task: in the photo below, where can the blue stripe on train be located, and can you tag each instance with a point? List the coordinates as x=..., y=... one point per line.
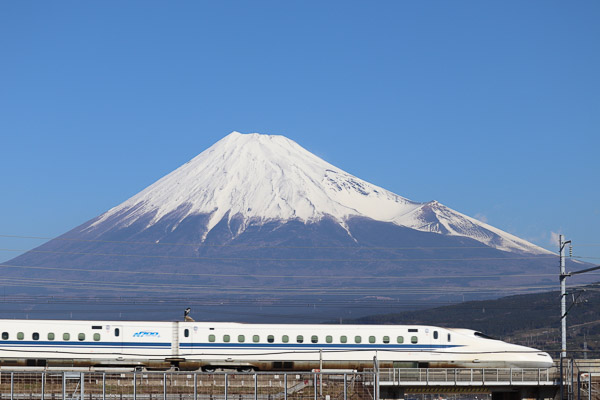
x=236, y=346
x=39, y=343
x=316, y=346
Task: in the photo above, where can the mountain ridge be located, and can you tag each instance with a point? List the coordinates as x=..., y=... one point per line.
x=262, y=178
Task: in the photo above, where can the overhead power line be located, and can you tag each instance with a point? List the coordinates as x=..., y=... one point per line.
x=202, y=244
x=280, y=259
x=274, y=276
x=254, y=289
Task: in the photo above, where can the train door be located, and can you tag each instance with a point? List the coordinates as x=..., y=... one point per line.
x=422, y=339
x=186, y=335
x=432, y=342
x=116, y=336
x=434, y=338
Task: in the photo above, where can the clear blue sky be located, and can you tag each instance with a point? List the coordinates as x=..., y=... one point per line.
x=491, y=108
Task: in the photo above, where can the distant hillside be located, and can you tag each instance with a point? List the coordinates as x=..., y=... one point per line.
x=532, y=320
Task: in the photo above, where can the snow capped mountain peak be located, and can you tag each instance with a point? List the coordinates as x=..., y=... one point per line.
x=260, y=178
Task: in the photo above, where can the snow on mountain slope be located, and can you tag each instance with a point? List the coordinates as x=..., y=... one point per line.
x=263, y=178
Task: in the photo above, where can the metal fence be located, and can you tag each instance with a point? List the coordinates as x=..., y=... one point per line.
x=184, y=386
x=467, y=376
x=583, y=384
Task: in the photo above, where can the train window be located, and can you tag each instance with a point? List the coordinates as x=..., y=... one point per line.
x=35, y=336
x=414, y=339
x=20, y=335
x=357, y=339
x=226, y=338
x=386, y=339
x=435, y=334
x=299, y=338
x=329, y=339
x=270, y=338
x=81, y=337
x=241, y=338
x=285, y=338
x=448, y=337
x=255, y=338
x=50, y=335
x=371, y=339
x=66, y=336
x=96, y=337
x=314, y=339
x=4, y=335
x=400, y=339
x=343, y=339
x=211, y=338
x=117, y=332
x=186, y=332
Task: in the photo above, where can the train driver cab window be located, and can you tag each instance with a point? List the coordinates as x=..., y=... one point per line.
x=66, y=336
x=20, y=336
x=414, y=339
x=435, y=334
x=299, y=339
x=50, y=335
x=186, y=332
x=4, y=335
x=117, y=332
x=35, y=336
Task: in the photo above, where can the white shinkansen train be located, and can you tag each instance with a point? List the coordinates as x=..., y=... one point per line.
x=247, y=347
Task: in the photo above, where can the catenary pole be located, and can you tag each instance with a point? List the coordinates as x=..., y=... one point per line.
x=563, y=297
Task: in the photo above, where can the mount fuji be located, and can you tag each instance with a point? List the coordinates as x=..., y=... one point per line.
x=255, y=179
x=258, y=219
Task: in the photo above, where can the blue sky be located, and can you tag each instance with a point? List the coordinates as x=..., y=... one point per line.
x=491, y=108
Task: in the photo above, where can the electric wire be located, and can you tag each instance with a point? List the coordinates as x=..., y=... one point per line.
x=202, y=244
x=273, y=276
x=279, y=259
x=10, y=236
x=265, y=289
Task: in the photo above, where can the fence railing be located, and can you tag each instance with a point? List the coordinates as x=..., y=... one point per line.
x=466, y=376
x=185, y=386
x=176, y=385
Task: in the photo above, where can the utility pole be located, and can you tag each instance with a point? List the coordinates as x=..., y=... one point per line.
x=563, y=302
x=563, y=311
x=563, y=296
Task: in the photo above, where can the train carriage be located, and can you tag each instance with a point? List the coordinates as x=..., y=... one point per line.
x=211, y=345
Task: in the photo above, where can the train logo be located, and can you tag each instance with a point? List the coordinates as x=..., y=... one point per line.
x=146, y=334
